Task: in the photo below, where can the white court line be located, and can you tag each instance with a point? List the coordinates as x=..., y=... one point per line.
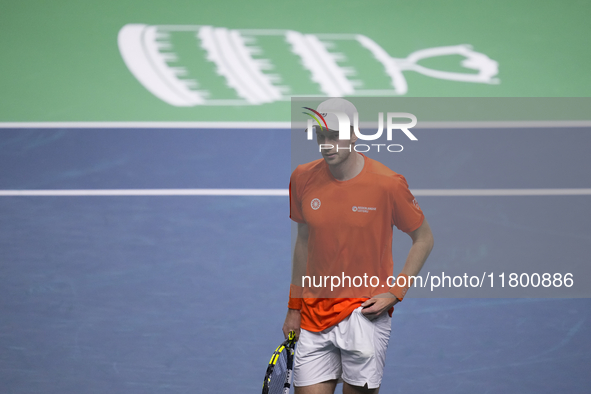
x=145, y=125
x=287, y=125
x=285, y=192
x=500, y=192
x=516, y=124
x=148, y=192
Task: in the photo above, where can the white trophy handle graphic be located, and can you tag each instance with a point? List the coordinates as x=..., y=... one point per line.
x=487, y=68
x=247, y=67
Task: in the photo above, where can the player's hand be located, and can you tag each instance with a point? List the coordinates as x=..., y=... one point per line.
x=377, y=305
x=292, y=323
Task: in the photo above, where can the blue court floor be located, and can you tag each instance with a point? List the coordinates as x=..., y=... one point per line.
x=187, y=294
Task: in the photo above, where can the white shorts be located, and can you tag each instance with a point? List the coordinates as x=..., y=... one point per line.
x=354, y=351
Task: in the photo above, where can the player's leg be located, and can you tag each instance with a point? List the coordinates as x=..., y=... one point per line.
x=348, y=389
x=318, y=388
x=363, y=345
x=317, y=363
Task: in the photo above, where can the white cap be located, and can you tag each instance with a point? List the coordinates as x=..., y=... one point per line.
x=336, y=105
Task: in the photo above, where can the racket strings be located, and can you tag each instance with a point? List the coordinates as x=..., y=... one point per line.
x=279, y=375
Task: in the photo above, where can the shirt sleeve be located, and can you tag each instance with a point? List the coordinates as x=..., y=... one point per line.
x=295, y=203
x=407, y=216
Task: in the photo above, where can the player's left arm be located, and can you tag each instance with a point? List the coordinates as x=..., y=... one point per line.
x=422, y=244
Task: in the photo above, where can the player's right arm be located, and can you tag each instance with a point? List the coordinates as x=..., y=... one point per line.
x=298, y=269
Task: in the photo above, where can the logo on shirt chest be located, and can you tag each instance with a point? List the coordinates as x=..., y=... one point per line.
x=360, y=209
x=315, y=204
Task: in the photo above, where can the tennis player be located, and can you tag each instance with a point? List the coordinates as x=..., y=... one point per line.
x=346, y=206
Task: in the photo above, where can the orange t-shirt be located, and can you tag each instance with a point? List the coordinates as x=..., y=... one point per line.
x=350, y=235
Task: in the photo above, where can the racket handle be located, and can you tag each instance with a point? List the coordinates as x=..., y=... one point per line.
x=291, y=335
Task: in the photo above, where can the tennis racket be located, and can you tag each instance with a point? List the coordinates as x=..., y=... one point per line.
x=278, y=375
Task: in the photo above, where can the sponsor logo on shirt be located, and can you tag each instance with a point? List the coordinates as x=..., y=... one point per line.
x=357, y=208
x=416, y=204
x=315, y=204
